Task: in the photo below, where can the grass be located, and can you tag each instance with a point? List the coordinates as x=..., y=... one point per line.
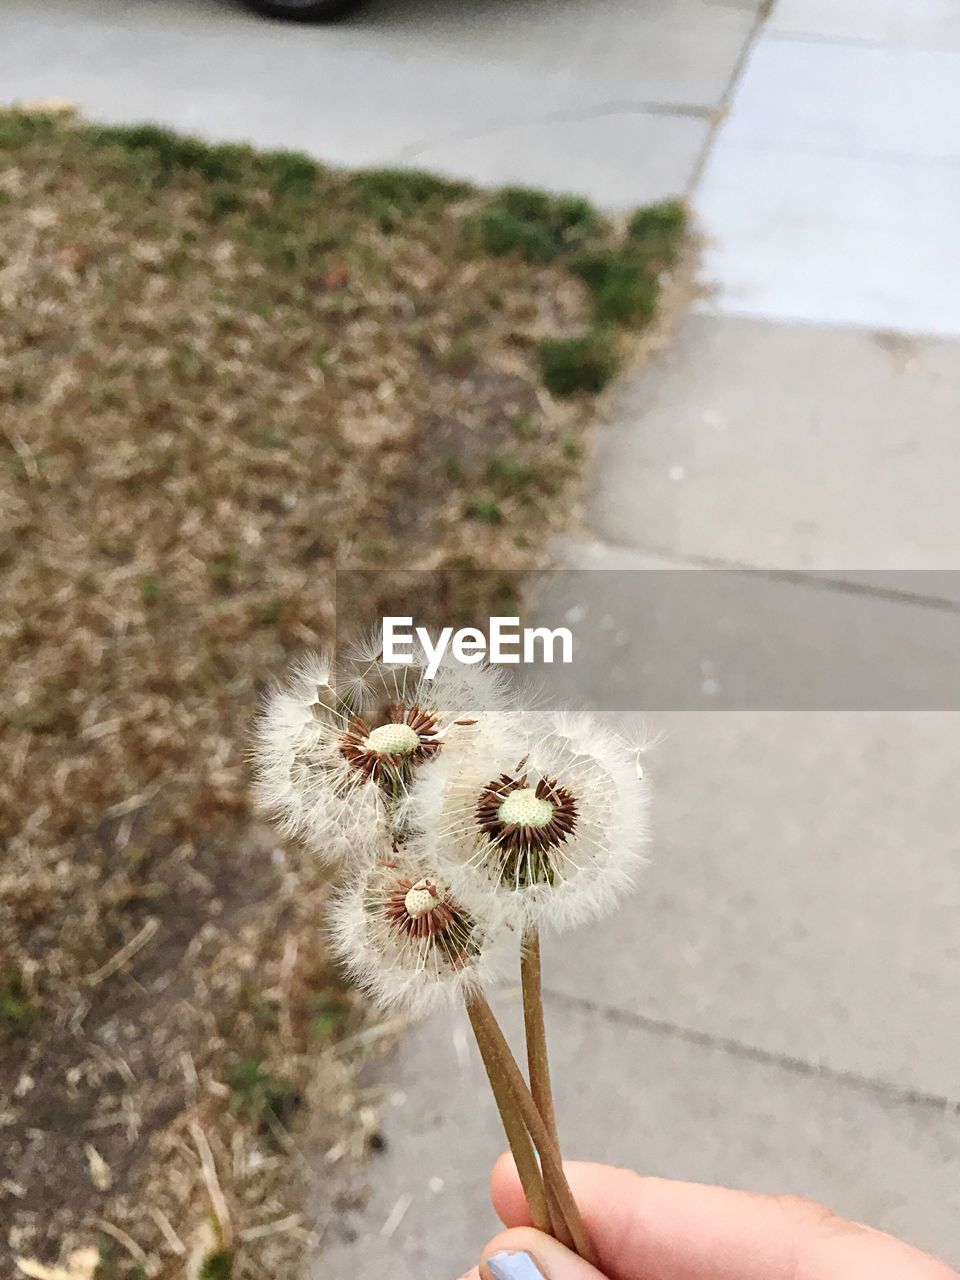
x=328, y=1015
x=585, y=363
x=17, y=1011
x=391, y=195
x=657, y=232
x=485, y=510
x=259, y=1095
x=535, y=226
x=510, y=474
x=623, y=287
x=114, y=1264
x=225, y=374
x=622, y=273
x=217, y=1266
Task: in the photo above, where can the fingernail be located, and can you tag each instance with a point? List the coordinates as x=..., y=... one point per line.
x=514, y=1266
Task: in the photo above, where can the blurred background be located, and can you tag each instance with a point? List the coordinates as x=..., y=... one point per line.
x=229, y=372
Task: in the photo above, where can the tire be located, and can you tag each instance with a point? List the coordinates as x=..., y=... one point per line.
x=303, y=10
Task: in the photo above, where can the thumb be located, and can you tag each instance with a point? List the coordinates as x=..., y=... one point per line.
x=525, y=1254
x=652, y=1229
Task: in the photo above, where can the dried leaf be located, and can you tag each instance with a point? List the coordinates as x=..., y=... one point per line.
x=100, y=1174
x=81, y=1265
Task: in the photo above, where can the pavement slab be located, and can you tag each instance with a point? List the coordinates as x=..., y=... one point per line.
x=630, y=1094
x=622, y=158
x=838, y=98
x=613, y=104
x=795, y=903
x=828, y=195
x=829, y=240
x=932, y=24
x=786, y=446
x=681, y=54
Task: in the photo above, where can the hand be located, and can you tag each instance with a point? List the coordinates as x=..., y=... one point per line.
x=652, y=1229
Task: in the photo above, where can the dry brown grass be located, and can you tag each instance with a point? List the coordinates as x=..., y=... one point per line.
x=222, y=375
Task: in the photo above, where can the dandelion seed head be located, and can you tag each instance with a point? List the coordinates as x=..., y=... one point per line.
x=336, y=751
x=551, y=833
x=408, y=941
x=302, y=778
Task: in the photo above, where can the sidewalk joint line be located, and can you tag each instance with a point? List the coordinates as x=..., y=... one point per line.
x=854, y=42
x=767, y=1057
x=853, y=156
x=817, y=579
x=615, y=107
x=726, y=101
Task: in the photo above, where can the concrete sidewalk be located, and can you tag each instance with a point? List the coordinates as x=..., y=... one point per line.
x=612, y=100
x=777, y=1008
x=772, y=1011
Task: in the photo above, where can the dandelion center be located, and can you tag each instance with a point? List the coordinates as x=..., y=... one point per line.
x=524, y=808
x=423, y=913
x=422, y=898
x=391, y=750
x=524, y=828
x=393, y=740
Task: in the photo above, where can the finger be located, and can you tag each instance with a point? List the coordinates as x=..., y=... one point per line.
x=525, y=1254
x=657, y=1229
x=652, y=1228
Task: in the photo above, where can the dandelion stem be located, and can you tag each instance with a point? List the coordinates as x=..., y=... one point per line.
x=524, y=1156
x=538, y=1062
x=486, y=1025
x=537, y=1059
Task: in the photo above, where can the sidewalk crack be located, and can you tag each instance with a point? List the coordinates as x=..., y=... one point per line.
x=817, y=579
x=411, y=150
x=855, y=1080
x=726, y=102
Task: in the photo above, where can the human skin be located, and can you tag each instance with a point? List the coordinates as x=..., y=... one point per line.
x=654, y=1229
